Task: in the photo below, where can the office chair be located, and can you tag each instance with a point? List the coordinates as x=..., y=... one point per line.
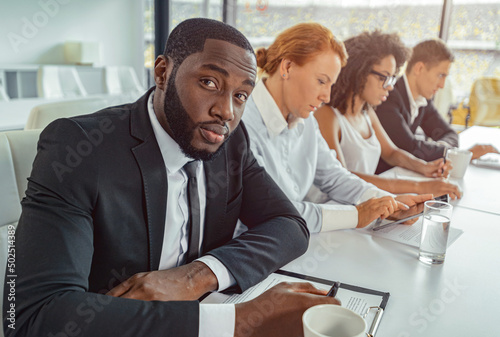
x=122, y=80
x=59, y=82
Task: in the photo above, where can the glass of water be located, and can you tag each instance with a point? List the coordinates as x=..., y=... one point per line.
x=435, y=229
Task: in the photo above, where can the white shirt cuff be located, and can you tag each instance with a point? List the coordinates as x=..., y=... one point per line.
x=338, y=217
x=224, y=277
x=217, y=320
x=374, y=193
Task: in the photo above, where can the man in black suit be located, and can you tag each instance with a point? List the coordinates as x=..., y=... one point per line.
x=409, y=106
x=104, y=242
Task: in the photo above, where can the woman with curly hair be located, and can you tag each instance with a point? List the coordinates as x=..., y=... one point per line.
x=351, y=127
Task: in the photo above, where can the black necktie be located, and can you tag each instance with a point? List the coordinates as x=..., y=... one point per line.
x=194, y=212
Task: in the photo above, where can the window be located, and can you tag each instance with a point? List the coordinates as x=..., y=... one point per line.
x=179, y=10
x=186, y=9
x=474, y=37
x=149, y=41
x=262, y=20
x=473, y=32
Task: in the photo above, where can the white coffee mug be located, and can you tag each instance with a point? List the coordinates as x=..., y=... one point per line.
x=329, y=320
x=460, y=160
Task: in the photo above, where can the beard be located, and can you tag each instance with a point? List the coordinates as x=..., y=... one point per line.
x=182, y=126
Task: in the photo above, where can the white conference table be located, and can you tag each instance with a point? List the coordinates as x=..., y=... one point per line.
x=480, y=185
x=458, y=298
x=482, y=188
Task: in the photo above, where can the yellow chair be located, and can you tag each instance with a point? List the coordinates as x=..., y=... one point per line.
x=483, y=107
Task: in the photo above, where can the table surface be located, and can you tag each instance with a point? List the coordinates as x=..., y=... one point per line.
x=457, y=298
x=480, y=185
x=480, y=135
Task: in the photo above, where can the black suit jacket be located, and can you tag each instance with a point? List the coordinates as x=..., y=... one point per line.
x=395, y=116
x=94, y=215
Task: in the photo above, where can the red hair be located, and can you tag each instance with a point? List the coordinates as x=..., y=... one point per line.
x=299, y=44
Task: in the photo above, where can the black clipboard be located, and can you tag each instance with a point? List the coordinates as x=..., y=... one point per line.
x=379, y=310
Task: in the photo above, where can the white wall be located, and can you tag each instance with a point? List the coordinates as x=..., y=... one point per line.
x=34, y=31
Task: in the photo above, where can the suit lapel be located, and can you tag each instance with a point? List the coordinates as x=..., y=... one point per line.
x=217, y=194
x=154, y=178
x=401, y=88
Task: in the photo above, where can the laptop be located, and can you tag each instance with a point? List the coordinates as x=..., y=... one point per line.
x=490, y=160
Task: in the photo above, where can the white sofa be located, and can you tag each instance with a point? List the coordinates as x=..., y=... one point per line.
x=17, y=152
x=41, y=115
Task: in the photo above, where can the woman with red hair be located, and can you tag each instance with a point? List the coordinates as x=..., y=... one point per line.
x=298, y=70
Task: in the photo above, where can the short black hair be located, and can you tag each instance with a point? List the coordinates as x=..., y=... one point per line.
x=189, y=37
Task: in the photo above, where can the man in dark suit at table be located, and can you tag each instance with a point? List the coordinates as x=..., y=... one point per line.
x=410, y=106
x=109, y=237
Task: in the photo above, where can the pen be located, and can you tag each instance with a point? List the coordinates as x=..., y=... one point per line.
x=334, y=289
x=397, y=222
x=444, y=160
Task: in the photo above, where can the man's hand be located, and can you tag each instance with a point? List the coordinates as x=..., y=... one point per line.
x=278, y=311
x=439, y=187
x=187, y=282
x=414, y=210
x=415, y=202
x=377, y=208
x=413, y=199
x=480, y=150
x=437, y=168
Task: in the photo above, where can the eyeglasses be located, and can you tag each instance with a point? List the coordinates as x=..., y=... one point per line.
x=389, y=81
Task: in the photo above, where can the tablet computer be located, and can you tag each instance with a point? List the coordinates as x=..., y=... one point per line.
x=402, y=216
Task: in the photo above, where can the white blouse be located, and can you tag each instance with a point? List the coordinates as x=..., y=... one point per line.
x=361, y=155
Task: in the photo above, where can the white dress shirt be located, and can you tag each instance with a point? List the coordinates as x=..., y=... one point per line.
x=415, y=105
x=298, y=157
x=215, y=319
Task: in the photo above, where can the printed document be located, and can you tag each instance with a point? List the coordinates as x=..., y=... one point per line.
x=354, y=300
